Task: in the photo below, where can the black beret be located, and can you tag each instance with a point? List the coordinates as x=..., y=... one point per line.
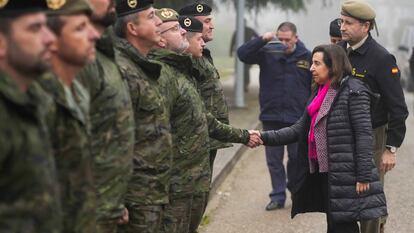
x=335, y=28
x=190, y=24
x=126, y=7
x=196, y=9
x=18, y=7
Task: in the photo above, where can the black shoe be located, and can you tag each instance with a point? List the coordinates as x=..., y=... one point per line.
x=274, y=206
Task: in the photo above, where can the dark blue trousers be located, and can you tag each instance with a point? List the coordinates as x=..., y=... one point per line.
x=274, y=158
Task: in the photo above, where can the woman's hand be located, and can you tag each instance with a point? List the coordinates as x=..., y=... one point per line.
x=362, y=187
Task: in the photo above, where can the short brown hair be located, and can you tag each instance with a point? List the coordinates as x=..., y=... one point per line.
x=5, y=25
x=120, y=26
x=287, y=27
x=336, y=60
x=55, y=23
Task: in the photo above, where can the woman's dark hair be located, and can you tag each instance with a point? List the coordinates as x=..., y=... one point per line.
x=337, y=62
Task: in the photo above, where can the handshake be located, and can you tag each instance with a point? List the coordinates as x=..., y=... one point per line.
x=255, y=139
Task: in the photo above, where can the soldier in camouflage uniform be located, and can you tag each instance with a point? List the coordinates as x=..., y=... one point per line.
x=147, y=192
x=29, y=196
x=189, y=123
x=68, y=119
x=209, y=79
x=217, y=130
x=112, y=123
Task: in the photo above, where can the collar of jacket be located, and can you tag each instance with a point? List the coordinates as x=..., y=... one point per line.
x=361, y=50
x=207, y=54
x=300, y=49
x=50, y=83
x=151, y=69
x=105, y=44
x=33, y=102
x=195, y=69
x=179, y=61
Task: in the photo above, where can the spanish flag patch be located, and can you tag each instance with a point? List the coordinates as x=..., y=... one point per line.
x=394, y=71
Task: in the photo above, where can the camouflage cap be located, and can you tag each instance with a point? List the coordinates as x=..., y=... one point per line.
x=196, y=9
x=126, y=7
x=68, y=7
x=18, y=7
x=166, y=14
x=190, y=24
x=335, y=28
x=358, y=9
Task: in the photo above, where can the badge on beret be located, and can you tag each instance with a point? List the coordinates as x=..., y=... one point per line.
x=132, y=3
x=200, y=8
x=187, y=22
x=55, y=4
x=167, y=13
x=3, y=3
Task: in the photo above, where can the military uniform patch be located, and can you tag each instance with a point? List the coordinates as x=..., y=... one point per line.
x=55, y=4
x=3, y=3
x=132, y=3
x=358, y=74
x=303, y=64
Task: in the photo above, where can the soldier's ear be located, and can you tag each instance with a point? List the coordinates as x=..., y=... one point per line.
x=3, y=45
x=132, y=29
x=162, y=43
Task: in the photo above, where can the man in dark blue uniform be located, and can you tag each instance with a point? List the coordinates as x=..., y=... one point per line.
x=285, y=83
x=335, y=31
x=377, y=67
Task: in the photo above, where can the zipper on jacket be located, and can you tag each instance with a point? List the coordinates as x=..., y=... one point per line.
x=341, y=87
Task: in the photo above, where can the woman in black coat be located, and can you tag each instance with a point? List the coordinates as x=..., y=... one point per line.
x=334, y=172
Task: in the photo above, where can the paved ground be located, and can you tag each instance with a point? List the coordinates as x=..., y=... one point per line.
x=238, y=205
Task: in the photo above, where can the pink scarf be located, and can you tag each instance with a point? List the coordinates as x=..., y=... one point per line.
x=313, y=110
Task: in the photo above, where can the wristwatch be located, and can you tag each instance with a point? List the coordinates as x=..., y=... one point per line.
x=392, y=149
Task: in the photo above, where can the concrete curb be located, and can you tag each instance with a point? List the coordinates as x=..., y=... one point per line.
x=225, y=170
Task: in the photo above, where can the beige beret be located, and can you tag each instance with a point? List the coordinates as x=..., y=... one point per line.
x=358, y=9
x=166, y=14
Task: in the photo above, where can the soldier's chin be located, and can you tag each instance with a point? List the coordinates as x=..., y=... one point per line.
x=40, y=69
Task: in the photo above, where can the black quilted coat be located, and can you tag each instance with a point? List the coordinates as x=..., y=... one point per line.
x=350, y=159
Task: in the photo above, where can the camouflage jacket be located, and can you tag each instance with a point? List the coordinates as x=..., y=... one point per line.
x=153, y=144
x=68, y=127
x=112, y=126
x=190, y=124
x=208, y=81
x=29, y=196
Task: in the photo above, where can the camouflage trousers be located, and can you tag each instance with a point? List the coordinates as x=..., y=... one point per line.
x=143, y=219
x=198, y=208
x=106, y=227
x=177, y=214
x=380, y=138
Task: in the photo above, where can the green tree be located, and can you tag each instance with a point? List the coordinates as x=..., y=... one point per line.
x=251, y=5
x=257, y=5
x=177, y=4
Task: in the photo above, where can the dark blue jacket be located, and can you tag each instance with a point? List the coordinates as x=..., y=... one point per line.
x=285, y=80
